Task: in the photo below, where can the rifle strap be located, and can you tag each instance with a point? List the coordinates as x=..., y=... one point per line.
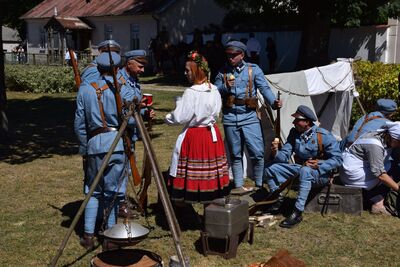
x=249, y=88
x=321, y=152
x=99, y=92
x=367, y=119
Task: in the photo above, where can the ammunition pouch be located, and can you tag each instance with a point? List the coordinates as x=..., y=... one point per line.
x=251, y=102
x=229, y=101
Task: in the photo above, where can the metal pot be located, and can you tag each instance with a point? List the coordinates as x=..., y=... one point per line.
x=126, y=233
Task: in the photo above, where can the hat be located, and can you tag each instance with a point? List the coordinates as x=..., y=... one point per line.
x=386, y=105
x=304, y=113
x=103, y=61
x=113, y=45
x=393, y=129
x=236, y=46
x=138, y=55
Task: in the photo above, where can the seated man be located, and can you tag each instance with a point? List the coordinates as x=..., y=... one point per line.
x=371, y=122
x=366, y=164
x=316, y=152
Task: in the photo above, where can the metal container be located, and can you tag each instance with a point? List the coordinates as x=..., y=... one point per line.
x=126, y=233
x=226, y=217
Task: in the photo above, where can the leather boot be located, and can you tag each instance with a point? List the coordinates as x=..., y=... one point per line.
x=291, y=221
x=87, y=241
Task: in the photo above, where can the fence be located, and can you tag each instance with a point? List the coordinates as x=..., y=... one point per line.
x=43, y=58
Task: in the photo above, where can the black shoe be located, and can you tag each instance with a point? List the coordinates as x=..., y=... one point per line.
x=291, y=221
x=87, y=241
x=276, y=207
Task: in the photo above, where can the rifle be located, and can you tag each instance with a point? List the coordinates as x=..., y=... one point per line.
x=127, y=140
x=74, y=64
x=278, y=122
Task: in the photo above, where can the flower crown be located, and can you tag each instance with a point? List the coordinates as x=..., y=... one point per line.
x=198, y=59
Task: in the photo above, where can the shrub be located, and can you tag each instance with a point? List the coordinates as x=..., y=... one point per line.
x=376, y=80
x=40, y=79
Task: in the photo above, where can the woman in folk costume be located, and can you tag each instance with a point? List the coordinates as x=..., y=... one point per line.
x=366, y=164
x=198, y=171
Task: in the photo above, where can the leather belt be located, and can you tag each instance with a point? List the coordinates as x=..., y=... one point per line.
x=101, y=130
x=239, y=102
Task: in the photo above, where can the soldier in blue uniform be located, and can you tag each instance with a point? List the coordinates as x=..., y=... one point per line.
x=316, y=152
x=128, y=77
x=238, y=84
x=96, y=124
x=90, y=72
x=371, y=122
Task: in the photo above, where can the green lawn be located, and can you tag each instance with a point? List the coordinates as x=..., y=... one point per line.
x=41, y=182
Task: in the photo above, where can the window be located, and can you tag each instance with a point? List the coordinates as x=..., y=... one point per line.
x=108, y=32
x=135, y=42
x=42, y=36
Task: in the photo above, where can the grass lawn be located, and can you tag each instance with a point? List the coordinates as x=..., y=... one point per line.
x=41, y=182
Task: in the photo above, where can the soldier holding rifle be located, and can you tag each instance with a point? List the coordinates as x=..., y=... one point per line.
x=128, y=77
x=96, y=125
x=316, y=152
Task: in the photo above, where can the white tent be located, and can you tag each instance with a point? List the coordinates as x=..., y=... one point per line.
x=327, y=90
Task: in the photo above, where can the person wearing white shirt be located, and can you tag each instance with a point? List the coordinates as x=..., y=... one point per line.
x=198, y=171
x=253, y=49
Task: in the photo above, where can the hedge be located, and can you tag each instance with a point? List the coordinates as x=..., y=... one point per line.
x=40, y=79
x=373, y=81
x=376, y=80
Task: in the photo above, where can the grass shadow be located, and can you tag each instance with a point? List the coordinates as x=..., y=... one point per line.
x=175, y=79
x=39, y=128
x=69, y=211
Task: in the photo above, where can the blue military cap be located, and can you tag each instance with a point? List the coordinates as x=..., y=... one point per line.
x=236, y=46
x=103, y=61
x=114, y=46
x=386, y=105
x=304, y=113
x=138, y=55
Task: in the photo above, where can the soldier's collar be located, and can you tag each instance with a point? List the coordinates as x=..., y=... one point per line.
x=240, y=67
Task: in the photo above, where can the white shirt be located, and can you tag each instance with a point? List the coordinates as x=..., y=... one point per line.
x=253, y=45
x=200, y=105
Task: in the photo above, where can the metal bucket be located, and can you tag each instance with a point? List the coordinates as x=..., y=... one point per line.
x=126, y=257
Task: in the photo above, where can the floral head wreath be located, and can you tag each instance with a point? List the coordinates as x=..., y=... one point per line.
x=198, y=59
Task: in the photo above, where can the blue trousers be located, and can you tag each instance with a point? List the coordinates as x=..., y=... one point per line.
x=112, y=183
x=250, y=135
x=277, y=173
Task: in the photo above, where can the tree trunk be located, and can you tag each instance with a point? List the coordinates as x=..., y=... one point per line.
x=315, y=35
x=3, y=96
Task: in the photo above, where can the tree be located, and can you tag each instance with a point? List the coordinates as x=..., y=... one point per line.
x=314, y=17
x=10, y=12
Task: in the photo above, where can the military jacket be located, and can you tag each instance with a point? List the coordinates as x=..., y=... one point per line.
x=88, y=118
x=371, y=125
x=241, y=114
x=130, y=88
x=307, y=148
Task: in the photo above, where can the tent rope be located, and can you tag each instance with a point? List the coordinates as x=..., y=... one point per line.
x=331, y=87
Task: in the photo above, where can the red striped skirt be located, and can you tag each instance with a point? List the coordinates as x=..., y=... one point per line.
x=202, y=173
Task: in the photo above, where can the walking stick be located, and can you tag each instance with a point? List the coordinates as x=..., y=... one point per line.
x=91, y=190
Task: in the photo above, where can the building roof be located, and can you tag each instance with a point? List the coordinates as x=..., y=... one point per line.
x=10, y=35
x=71, y=23
x=95, y=8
